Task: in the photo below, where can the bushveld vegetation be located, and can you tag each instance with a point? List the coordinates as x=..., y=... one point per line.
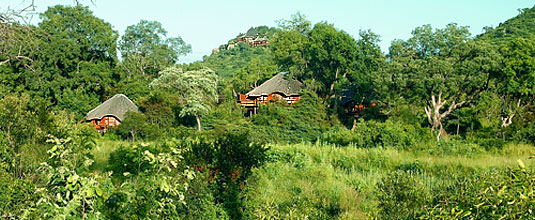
x=446, y=130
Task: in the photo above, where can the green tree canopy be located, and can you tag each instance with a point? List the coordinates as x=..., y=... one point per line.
x=146, y=48
x=76, y=56
x=442, y=68
x=516, y=81
x=197, y=89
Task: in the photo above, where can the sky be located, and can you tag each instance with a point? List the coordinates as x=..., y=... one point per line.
x=206, y=24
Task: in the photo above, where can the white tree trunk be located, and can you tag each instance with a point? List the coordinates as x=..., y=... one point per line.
x=198, y=122
x=435, y=117
x=508, y=119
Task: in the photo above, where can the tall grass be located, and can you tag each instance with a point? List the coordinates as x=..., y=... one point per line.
x=318, y=181
x=101, y=152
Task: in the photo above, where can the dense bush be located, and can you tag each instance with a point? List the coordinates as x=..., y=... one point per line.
x=302, y=122
x=300, y=189
x=128, y=160
x=370, y=134
x=455, y=147
x=228, y=159
x=16, y=195
x=526, y=134
x=402, y=196
x=493, y=194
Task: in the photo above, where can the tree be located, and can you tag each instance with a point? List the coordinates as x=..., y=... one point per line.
x=298, y=22
x=196, y=88
x=288, y=46
x=253, y=73
x=77, y=55
x=133, y=123
x=319, y=56
x=445, y=68
x=17, y=123
x=331, y=56
x=516, y=81
x=146, y=48
x=362, y=78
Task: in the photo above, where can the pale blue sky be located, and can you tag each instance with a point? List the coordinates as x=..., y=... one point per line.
x=206, y=24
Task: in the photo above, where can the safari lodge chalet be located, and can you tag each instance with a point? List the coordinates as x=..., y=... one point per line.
x=278, y=88
x=111, y=112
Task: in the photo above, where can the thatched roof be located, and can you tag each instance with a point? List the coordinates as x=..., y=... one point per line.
x=117, y=106
x=278, y=84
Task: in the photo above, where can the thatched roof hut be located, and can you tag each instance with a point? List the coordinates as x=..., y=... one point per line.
x=111, y=112
x=280, y=87
x=278, y=84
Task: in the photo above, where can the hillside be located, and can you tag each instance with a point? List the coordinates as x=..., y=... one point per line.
x=522, y=25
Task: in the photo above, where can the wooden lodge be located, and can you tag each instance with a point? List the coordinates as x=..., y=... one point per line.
x=277, y=88
x=111, y=112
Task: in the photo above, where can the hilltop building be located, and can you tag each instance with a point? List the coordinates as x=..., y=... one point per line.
x=111, y=112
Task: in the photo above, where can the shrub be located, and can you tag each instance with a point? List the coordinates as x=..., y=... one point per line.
x=402, y=195
x=229, y=159
x=495, y=194
x=16, y=195
x=369, y=134
x=302, y=122
x=526, y=134
x=455, y=147
x=283, y=190
x=129, y=159
x=134, y=123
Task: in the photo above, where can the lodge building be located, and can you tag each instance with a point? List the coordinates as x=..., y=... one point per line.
x=278, y=88
x=111, y=112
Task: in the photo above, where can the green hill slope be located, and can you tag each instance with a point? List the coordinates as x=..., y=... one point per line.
x=523, y=25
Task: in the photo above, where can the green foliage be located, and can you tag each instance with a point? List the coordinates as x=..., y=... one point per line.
x=402, y=196
x=527, y=135
x=229, y=159
x=157, y=186
x=201, y=201
x=278, y=122
x=66, y=193
x=16, y=195
x=146, y=49
x=133, y=123
x=196, y=88
x=16, y=121
x=160, y=108
x=75, y=59
x=506, y=194
x=53, y=73
x=521, y=25
x=253, y=74
x=126, y=160
x=370, y=134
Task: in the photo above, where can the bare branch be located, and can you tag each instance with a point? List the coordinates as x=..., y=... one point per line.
x=5, y=61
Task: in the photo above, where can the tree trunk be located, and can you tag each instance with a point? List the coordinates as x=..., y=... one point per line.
x=198, y=122
x=133, y=134
x=508, y=119
x=335, y=78
x=435, y=117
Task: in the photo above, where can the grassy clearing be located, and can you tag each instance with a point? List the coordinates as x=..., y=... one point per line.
x=318, y=182
x=101, y=152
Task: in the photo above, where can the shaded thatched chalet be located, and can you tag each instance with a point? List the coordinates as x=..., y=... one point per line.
x=111, y=112
x=280, y=87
